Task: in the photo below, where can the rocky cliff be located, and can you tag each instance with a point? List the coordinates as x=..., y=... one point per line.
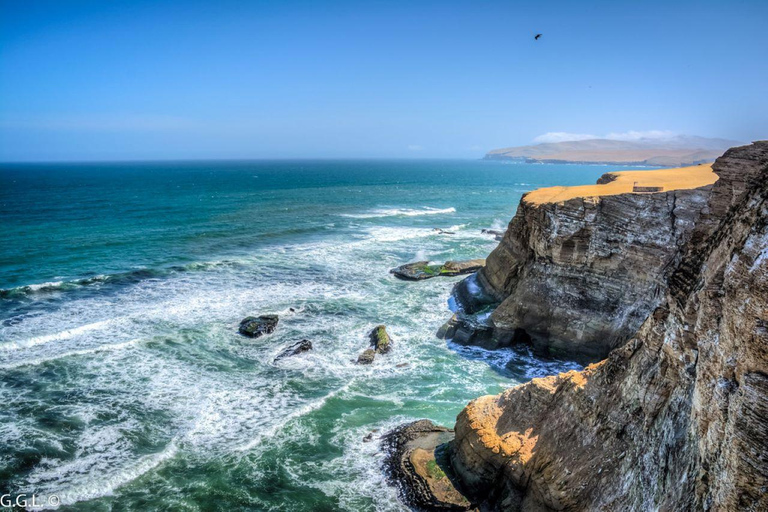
x=577, y=278
x=677, y=417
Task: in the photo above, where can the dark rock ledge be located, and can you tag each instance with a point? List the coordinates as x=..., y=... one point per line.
x=417, y=464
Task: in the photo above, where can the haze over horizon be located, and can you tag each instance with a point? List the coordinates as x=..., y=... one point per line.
x=187, y=80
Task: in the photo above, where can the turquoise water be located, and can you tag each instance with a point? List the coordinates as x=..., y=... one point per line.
x=124, y=382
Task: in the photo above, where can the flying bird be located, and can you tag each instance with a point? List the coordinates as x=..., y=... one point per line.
x=537, y=37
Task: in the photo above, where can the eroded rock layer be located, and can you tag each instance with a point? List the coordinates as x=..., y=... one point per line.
x=674, y=419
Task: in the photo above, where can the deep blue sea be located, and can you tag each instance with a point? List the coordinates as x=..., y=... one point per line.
x=124, y=382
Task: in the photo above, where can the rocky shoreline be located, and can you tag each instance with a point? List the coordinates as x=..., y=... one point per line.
x=674, y=416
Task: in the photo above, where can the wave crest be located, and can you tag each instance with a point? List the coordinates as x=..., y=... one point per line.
x=399, y=212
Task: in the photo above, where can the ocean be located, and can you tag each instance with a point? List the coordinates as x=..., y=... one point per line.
x=124, y=382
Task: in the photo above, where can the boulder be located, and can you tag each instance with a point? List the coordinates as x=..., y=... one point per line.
x=296, y=348
x=255, y=326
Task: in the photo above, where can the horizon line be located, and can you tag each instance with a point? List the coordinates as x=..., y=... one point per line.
x=226, y=159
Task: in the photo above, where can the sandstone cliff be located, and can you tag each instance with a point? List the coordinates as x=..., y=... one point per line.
x=676, y=418
x=576, y=278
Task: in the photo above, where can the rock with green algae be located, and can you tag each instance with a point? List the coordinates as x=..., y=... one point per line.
x=380, y=340
x=423, y=270
x=380, y=344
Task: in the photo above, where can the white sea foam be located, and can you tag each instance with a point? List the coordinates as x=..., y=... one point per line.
x=99, y=485
x=303, y=410
x=499, y=225
x=73, y=353
x=399, y=212
x=360, y=462
x=42, y=286
x=57, y=336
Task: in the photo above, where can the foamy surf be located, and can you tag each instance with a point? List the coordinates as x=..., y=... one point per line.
x=303, y=410
x=57, y=336
x=135, y=382
x=99, y=487
x=399, y=212
x=73, y=353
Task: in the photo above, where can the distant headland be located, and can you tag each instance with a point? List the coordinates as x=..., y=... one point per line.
x=677, y=151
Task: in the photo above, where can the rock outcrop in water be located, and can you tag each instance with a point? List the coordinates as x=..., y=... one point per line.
x=297, y=348
x=677, y=417
x=577, y=278
x=380, y=343
x=256, y=326
x=423, y=270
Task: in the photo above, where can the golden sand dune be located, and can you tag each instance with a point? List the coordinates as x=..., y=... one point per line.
x=625, y=181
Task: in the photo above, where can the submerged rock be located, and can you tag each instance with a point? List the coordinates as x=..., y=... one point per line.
x=497, y=234
x=478, y=330
x=296, y=348
x=423, y=270
x=417, y=463
x=366, y=357
x=255, y=326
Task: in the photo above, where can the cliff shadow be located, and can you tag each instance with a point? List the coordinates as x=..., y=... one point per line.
x=517, y=362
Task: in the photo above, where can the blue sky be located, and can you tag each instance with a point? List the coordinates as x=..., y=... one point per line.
x=112, y=80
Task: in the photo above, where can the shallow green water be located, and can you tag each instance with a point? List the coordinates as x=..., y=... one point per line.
x=126, y=384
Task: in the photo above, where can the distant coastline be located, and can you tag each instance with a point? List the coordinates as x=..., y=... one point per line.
x=679, y=151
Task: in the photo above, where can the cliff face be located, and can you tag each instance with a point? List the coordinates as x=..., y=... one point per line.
x=577, y=278
x=677, y=417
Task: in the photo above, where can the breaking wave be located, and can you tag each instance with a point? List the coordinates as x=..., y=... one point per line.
x=399, y=212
